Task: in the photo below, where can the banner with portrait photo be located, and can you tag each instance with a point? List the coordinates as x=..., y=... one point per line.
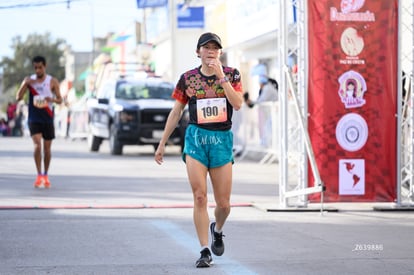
x=352, y=98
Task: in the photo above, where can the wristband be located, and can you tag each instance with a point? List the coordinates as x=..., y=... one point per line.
x=224, y=79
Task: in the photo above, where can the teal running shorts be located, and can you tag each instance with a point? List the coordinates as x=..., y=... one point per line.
x=211, y=148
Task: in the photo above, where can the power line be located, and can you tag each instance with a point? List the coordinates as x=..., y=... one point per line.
x=38, y=4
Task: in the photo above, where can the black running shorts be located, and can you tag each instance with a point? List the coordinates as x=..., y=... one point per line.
x=46, y=129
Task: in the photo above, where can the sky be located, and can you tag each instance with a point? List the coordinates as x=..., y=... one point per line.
x=77, y=24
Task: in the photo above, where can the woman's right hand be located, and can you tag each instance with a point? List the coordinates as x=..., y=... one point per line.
x=159, y=153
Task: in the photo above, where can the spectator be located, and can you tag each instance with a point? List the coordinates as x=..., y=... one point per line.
x=268, y=92
x=17, y=130
x=11, y=113
x=4, y=128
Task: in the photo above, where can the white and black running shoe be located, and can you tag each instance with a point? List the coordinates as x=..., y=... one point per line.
x=217, y=245
x=205, y=259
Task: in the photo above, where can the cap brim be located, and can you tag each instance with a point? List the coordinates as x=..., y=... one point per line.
x=211, y=40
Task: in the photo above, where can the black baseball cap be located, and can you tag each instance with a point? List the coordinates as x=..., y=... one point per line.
x=208, y=37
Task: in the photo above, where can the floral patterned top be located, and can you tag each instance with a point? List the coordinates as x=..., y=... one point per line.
x=193, y=87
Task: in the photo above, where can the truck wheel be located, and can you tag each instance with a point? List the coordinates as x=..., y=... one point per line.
x=114, y=145
x=94, y=142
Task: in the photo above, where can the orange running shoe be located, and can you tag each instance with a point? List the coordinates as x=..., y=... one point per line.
x=46, y=181
x=39, y=181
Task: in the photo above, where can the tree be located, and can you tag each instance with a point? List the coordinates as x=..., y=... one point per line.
x=17, y=68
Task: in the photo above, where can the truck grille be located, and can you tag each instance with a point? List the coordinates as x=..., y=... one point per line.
x=154, y=116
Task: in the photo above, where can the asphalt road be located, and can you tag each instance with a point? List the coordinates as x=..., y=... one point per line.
x=127, y=215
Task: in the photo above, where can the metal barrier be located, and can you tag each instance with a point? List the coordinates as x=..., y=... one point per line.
x=72, y=122
x=256, y=132
x=78, y=127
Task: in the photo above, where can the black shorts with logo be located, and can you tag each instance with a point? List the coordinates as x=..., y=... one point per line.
x=46, y=129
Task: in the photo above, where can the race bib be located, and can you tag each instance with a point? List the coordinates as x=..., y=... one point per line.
x=211, y=110
x=40, y=102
